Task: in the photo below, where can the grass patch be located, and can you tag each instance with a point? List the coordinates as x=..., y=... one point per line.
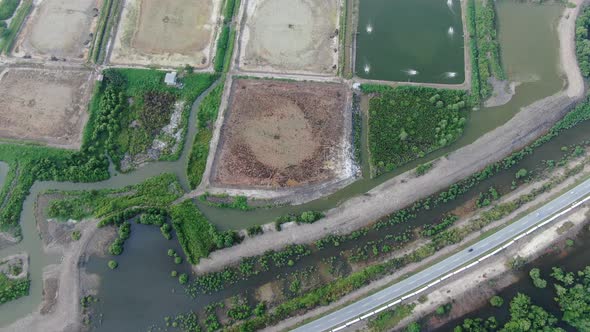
x=7, y=8
x=388, y=319
x=406, y=123
x=225, y=41
x=195, y=234
x=207, y=114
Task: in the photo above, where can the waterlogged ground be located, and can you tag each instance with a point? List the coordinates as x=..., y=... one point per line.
x=570, y=259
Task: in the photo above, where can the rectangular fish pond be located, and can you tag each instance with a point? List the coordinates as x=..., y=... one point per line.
x=410, y=40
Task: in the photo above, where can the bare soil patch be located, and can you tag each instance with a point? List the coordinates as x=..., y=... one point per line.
x=47, y=106
x=59, y=28
x=168, y=33
x=299, y=36
x=282, y=134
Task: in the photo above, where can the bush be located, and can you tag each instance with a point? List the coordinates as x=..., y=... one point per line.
x=496, y=301
x=254, y=230
x=112, y=264
x=177, y=260
x=76, y=235
x=183, y=278
x=174, y=273
x=536, y=277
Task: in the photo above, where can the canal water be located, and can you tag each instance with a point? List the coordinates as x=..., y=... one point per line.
x=143, y=253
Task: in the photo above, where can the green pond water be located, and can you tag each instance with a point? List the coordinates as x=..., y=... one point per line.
x=543, y=80
x=410, y=40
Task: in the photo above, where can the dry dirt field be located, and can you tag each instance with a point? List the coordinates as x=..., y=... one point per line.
x=282, y=134
x=295, y=36
x=168, y=33
x=47, y=106
x=59, y=28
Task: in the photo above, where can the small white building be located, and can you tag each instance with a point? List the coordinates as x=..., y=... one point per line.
x=170, y=78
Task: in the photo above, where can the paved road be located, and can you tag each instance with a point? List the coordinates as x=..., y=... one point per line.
x=560, y=205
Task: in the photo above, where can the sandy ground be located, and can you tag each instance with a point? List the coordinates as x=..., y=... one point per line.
x=59, y=28
x=502, y=92
x=358, y=294
x=167, y=33
x=296, y=36
x=47, y=106
x=282, y=134
x=64, y=283
x=531, y=122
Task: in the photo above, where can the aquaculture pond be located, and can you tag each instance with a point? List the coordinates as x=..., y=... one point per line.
x=572, y=259
x=410, y=40
x=155, y=269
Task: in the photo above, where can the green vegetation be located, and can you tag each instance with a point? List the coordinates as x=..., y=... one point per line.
x=570, y=294
x=108, y=17
x=225, y=41
x=12, y=289
x=76, y=235
x=306, y=217
x=583, y=40
x=224, y=201
x=7, y=8
x=196, y=235
x=484, y=46
x=535, y=275
x=131, y=106
x=207, y=114
x=423, y=168
x=112, y=264
x=9, y=35
x=388, y=319
x=156, y=192
x=406, y=123
x=496, y=301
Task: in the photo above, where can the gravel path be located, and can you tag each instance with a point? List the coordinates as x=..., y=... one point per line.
x=528, y=124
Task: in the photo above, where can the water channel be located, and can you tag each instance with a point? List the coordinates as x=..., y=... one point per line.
x=143, y=265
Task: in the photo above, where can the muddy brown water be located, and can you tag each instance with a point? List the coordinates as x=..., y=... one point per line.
x=574, y=259
x=139, y=294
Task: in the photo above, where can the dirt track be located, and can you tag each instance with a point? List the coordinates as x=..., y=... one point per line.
x=531, y=122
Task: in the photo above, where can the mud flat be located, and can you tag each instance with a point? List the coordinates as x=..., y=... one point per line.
x=280, y=135
x=167, y=33
x=47, y=106
x=58, y=28
x=295, y=36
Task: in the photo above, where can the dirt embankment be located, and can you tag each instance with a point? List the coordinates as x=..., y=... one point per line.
x=64, y=283
x=531, y=122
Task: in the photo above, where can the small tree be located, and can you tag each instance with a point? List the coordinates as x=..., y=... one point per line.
x=496, y=301
x=183, y=279
x=112, y=264
x=521, y=173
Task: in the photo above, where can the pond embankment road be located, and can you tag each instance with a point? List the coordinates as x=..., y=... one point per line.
x=563, y=203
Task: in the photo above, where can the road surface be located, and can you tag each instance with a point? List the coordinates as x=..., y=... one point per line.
x=400, y=290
